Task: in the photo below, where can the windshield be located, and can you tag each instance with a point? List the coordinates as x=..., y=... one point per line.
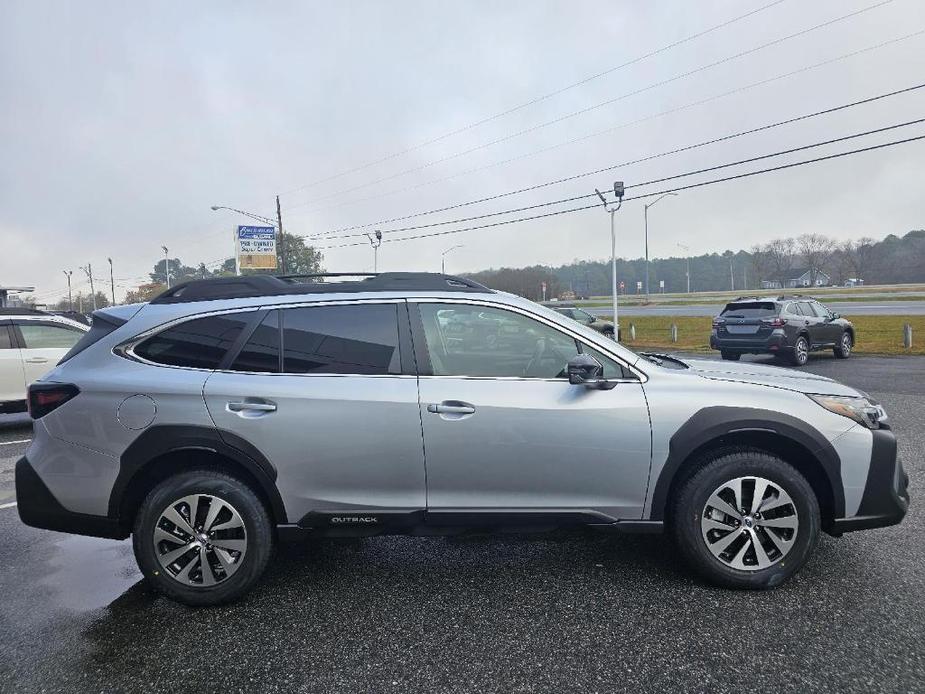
x=750, y=309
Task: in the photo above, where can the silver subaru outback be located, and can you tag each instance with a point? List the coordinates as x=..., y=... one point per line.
x=229, y=414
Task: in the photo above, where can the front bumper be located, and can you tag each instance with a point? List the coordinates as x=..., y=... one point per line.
x=886, y=492
x=39, y=508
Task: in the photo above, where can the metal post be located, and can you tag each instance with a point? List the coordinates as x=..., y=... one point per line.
x=645, y=215
x=375, y=240
x=89, y=272
x=112, y=282
x=732, y=277
x=613, y=268
x=70, y=298
x=907, y=335
x=166, y=266
x=282, y=239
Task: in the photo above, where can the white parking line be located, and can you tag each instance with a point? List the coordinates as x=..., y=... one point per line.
x=10, y=505
x=10, y=443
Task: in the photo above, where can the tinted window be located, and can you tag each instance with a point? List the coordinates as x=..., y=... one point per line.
x=199, y=343
x=794, y=309
x=820, y=310
x=6, y=340
x=807, y=309
x=40, y=336
x=611, y=368
x=261, y=351
x=358, y=339
x=750, y=309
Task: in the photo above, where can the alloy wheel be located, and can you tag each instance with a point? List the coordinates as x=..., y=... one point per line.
x=846, y=344
x=200, y=540
x=749, y=523
x=802, y=351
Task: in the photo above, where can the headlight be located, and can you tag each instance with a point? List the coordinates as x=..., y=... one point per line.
x=862, y=410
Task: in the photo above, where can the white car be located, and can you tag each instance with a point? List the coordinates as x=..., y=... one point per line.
x=31, y=343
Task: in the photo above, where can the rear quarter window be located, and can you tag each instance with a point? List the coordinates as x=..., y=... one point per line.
x=200, y=343
x=750, y=309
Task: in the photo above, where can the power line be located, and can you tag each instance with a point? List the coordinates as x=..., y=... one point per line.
x=536, y=100
x=727, y=165
x=724, y=138
x=643, y=196
x=594, y=107
x=582, y=138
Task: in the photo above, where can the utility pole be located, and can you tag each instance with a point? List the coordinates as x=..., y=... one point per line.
x=70, y=298
x=687, y=252
x=646, y=221
x=166, y=266
x=284, y=261
x=375, y=240
x=618, y=192
x=89, y=272
x=732, y=277
x=112, y=282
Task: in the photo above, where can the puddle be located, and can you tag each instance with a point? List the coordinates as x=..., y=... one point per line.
x=87, y=573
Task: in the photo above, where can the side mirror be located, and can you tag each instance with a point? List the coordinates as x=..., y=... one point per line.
x=585, y=370
x=836, y=316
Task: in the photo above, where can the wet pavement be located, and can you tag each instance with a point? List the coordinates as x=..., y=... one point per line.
x=558, y=612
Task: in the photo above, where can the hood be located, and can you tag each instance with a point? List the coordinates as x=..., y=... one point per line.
x=773, y=376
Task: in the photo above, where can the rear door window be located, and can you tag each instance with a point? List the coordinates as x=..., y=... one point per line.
x=200, y=343
x=808, y=309
x=48, y=335
x=359, y=339
x=6, y=338
x=261, y=351
x=750, y=309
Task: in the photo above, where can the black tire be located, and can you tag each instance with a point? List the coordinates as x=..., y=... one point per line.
x=845, y=344
x=730, y=356
x=256, y=520
x=690, y=504
x=800, y=354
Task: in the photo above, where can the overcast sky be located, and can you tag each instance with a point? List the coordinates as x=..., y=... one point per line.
x=121, y=123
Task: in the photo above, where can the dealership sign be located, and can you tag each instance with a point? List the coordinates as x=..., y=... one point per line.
x=256, y=247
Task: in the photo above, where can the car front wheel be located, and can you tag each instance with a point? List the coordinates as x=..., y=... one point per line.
x=747, y=519
x=843, y=348
x=202, y=537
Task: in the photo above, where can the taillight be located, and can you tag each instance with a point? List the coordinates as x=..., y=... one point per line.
x=718, y=322
x=47, y=397
x=774, y=322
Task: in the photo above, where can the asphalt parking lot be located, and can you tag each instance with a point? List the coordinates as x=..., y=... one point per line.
x=560, y=612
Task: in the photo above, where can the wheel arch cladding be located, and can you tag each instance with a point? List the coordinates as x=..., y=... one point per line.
x=795, y=441
x=164, y=450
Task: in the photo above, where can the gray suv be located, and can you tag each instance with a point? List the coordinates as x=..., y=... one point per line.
x=227, y=415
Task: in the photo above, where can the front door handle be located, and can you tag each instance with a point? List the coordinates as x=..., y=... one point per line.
x=251, y=407
x=451, y=407
x=37, y=360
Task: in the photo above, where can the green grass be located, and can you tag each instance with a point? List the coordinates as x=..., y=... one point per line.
x=874, y=334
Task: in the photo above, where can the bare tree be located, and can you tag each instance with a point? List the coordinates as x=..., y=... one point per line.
x=780, y=254
x=858, y=256
x=761, y=263
x=817, y=250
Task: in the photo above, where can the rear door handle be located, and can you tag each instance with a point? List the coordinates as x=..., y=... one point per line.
x=37, y=360
x=251, y=407
x=451, y=407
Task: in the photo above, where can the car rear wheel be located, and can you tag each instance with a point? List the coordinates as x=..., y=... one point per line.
x=843, y=348
x=800, y=354
x=202, y=537
x=730, y=356
x=746, y=519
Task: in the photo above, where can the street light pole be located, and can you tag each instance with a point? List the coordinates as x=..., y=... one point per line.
x=112, y=282
x=375, y=240
x=166, y=266
x=646, y=220
x=70, y=298
x=443, y=257
x=618, y=192
x=687, y=252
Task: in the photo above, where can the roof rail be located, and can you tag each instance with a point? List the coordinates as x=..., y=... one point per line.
x=271, y=285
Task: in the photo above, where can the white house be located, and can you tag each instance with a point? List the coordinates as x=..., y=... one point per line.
x=801, y=277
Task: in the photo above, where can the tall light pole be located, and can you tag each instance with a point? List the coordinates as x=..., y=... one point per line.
x=618, y=192
x=687, y=252
x=375, y=240
x=646, y=217
x=70, y=298
x=166, y=266
x=112, y=282
x=443, y=257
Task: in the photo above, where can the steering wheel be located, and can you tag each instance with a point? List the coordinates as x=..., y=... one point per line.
x=543, y=350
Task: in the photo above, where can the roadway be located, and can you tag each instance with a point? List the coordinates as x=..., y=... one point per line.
x=848, y=308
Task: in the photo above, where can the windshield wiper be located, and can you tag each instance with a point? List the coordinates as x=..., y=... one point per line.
x=658, y=359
